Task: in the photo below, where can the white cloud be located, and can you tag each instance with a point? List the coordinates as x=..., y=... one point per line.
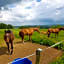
x=32, y=10
x=57, y=12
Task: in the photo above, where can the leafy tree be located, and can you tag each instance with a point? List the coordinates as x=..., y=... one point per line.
x=53, y=26
x=9, y=26
x=5, y=26
x=56, y=26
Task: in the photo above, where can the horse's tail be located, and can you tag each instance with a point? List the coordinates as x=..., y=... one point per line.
x=21, y=33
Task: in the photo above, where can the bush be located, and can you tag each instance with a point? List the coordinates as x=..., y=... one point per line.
x=47, y=42
x=60, y=46
x=43, y=41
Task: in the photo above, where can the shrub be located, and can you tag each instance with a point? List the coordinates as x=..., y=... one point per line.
x=47, y=42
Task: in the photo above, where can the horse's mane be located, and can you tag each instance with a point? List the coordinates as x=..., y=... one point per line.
x=7, y=31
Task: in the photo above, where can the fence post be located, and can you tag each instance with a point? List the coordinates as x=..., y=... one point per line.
x=38, y=55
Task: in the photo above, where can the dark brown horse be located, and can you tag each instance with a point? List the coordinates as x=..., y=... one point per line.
x=28, y=32
x=9, y=37
x=54, y=30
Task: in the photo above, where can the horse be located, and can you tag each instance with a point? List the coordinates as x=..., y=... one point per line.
x=9, y=37
x=54, y=30
x=29, y=32
x=43, y=32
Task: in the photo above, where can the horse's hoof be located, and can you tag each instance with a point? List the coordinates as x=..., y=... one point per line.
x=11, y=52
x=23, y=43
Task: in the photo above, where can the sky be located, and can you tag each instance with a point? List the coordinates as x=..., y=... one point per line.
x=32, y=12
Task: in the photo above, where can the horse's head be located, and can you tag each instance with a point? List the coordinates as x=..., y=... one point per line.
x=37, y=29
x=7, y=35
x=62, y=28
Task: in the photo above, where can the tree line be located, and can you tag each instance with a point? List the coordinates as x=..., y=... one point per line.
x=9, y=26
x=5, y=26
x=42, y=26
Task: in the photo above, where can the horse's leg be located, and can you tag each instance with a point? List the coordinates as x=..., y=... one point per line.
x=11, y=47
x=55, y=35
x=23, y=39
x=30, y=37
x=48, y=35
x=8, y=46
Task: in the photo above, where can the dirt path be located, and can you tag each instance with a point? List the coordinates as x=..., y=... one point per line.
x=22, y=50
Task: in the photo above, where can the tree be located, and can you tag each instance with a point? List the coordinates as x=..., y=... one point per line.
x=9, y=26
x=56, y=26
x=3, y=26
x=53, y=26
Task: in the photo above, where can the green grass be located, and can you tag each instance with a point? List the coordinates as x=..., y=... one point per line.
x=59, y=60
x=40, y=39
x=35, y=37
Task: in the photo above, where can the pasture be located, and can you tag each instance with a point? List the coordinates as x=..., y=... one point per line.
x=36, y=38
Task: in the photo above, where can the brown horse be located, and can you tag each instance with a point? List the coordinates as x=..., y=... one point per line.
x=43, y=32
x=28, y=32
x=54, y=30
x=9, y=37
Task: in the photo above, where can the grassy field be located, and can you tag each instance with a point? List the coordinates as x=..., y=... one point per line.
x=40, y=39
x=36, y=36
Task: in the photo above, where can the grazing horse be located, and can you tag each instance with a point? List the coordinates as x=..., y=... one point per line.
x=43, y=32
x=9, y=37
x=56, y=31
x=28, y=32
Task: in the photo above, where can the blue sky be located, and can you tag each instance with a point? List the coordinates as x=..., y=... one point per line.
x=32, y=12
